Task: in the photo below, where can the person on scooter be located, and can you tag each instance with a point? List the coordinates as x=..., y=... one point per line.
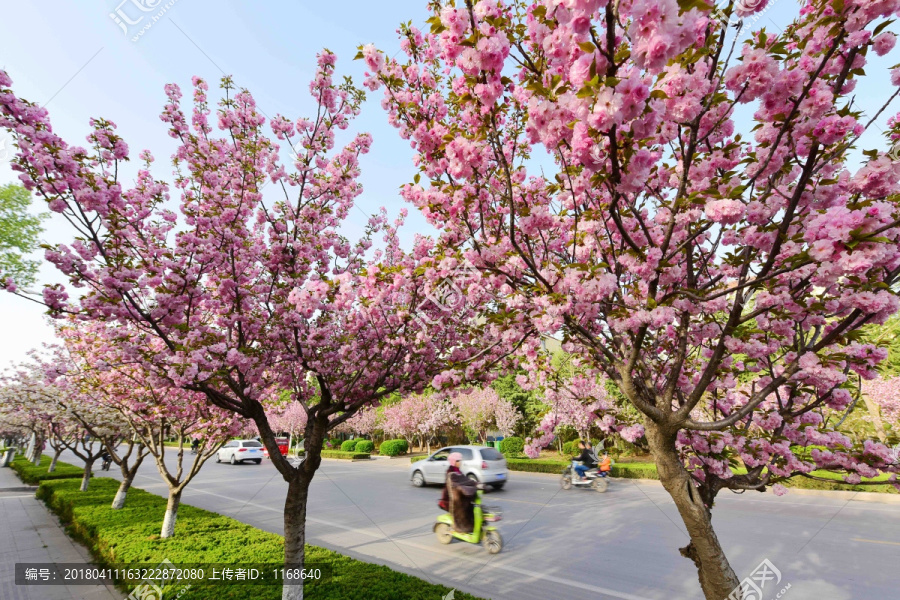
x=106, y=461
x=444, y=502
x=586, y=460
x=461, y=491
x=605, y=464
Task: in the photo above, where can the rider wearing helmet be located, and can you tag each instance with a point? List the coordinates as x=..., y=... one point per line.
x=460, y=492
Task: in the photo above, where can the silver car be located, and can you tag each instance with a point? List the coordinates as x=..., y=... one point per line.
x=479, y=463
x=237, y=451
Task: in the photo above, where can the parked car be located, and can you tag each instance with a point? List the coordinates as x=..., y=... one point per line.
x=479, y=463
x=238, y=451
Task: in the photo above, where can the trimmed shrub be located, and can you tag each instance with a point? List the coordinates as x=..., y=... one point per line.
x=536, y=465
x=348, y=445
x=367, y=446
x=32, y=474
x=394, y=447
x=414, y=459
x=570, y=448
x=347, y=455
x=130, y=535
x=512, y=445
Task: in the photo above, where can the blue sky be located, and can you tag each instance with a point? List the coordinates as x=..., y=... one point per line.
x=75, y=59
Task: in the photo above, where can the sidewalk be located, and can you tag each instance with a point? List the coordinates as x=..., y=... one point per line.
x=31, y=534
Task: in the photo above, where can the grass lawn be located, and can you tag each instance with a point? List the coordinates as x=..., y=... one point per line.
x=131, y=535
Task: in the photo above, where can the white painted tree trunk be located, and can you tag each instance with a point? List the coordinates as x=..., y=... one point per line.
x=168, y=526
x=119, y=501
x=52, y=466
x=38, y=452
x=86, y=478
x=32, y=444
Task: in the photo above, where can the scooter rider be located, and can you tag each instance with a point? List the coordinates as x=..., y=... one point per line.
x=444, y=502
x=460, y=491
x=585, y=458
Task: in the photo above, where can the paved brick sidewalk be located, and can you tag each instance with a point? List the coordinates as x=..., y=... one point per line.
x=30, y=533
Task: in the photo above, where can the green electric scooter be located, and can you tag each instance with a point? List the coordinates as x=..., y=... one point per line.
x=482, y=533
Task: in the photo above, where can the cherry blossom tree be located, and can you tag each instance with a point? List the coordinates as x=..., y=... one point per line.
x=27, y=405
x=240, y=296
x=419, y=415
x=482, y=409
x=402, y=419
x=363, y=423
x=91, y=367
x=675, y=246
x=290, y=418
x=578, y=400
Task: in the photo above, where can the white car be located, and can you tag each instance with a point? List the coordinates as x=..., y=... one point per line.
x=479, y=463
x=237, y=451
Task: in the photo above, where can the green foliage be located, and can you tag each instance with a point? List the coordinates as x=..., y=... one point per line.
x=367, y=446
x=348, y=445
x=415, y=459
x=645, y=470
x=33, y=474
x=570, y=448
x=129, y=535
x=346, y=455
x=536, y=465
x=512, y=446
x=886, y=336
x=19, y=233
x=394, y=447
x=528, y=403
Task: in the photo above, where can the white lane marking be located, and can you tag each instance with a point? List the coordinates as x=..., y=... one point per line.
x=381, y=537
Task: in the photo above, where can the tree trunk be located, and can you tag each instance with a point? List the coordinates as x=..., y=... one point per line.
x=168, y=526
x=875, y=413
x=295, y=533
x=32, y=447
x=86, y=478
x=38, y=451
x=119, y=501
x=52, y=466
x=717, y=578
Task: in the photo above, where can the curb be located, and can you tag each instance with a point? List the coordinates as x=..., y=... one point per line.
x=25, y=488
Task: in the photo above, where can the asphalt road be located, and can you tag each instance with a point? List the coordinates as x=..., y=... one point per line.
x=622, y=544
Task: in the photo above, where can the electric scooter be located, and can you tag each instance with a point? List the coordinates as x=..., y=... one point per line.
x=593, y=479
x=482, y=533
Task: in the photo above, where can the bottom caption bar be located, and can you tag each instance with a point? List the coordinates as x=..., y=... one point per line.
x=168, y=573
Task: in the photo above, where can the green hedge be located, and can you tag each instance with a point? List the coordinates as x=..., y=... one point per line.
x=413, y=459
x=348, y=445
x=367, y=446
x=345, y=455
x=512, y=445
x=645, y=470
x=130, y=535
x=33, y=474
x=570, y=448
x=394, y=447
